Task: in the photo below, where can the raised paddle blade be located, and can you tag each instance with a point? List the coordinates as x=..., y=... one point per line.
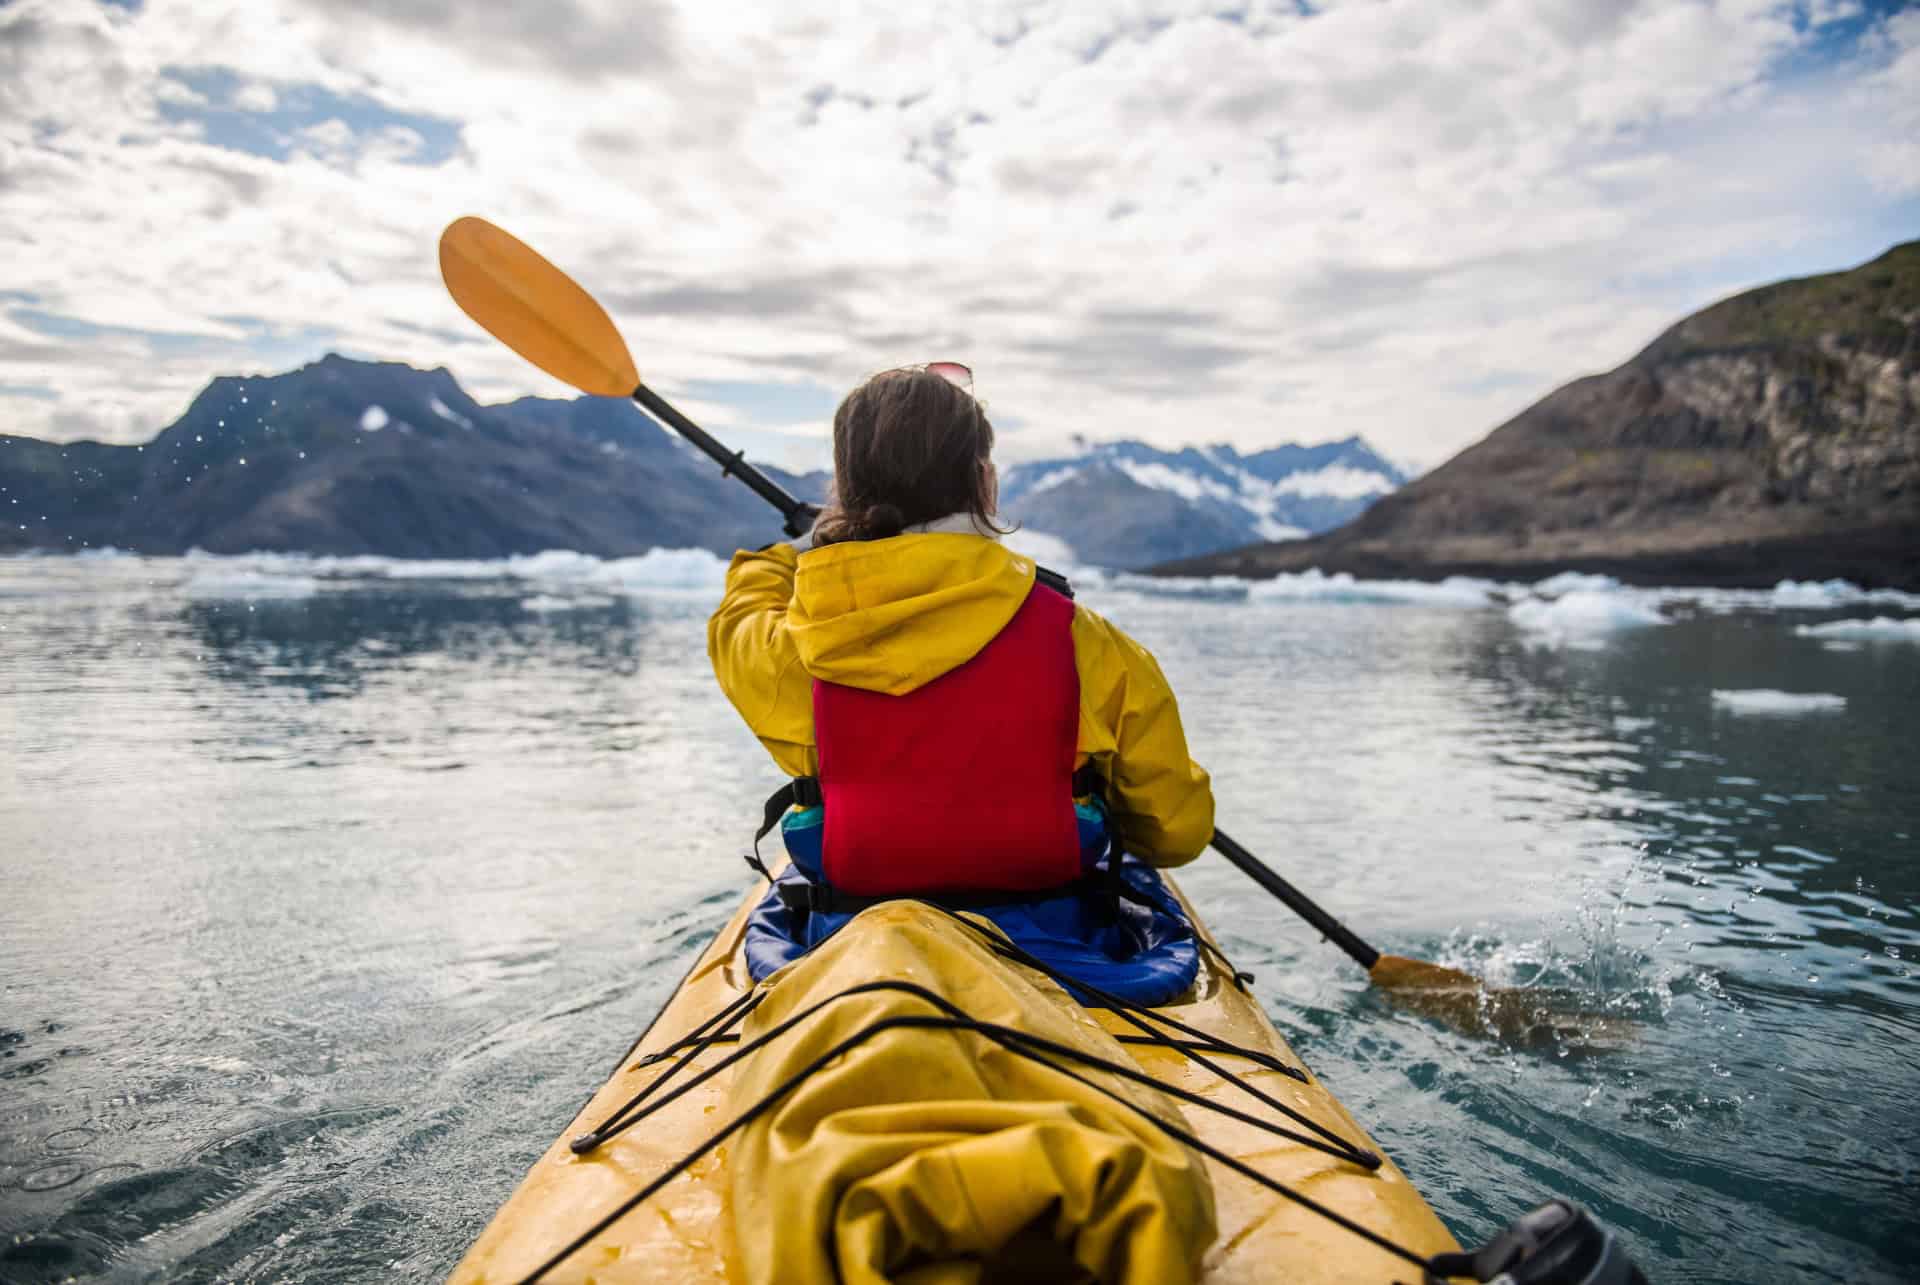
x=534, y=308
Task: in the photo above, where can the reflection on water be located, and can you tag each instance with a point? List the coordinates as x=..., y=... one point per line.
x=325, y=910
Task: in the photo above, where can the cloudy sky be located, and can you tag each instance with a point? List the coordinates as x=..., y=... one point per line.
x=1187, y=222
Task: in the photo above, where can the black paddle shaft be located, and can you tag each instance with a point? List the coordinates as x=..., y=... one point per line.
x=1332, y=929
x=798, y=513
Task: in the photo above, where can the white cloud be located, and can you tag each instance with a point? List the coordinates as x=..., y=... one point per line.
x=256, y=97
x=1402, y=220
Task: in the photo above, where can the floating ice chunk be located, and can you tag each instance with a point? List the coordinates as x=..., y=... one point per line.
x=655, y=569
x=1790, y=595
x=1583, y=617
x=1764, y=700
x=1823, y=594
x=1317, y=586
x=666, y=569
x=545, y=602
x=1572, y=581
x=238, y=582
x=373, y=419
x=1814, y=594
x=1219, y=588
x=559, y=565
x=1879, y=629
x=434, y=568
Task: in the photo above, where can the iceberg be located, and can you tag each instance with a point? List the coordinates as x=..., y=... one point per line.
x=542, y=603
x=1764, y=700
x=240, y=582
x=1879, y=629
x=1317, y=586
x=1583, y=617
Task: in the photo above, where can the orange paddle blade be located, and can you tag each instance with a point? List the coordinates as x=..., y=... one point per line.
x=534, y=308
x=1397, y=972
x=1519, y=1016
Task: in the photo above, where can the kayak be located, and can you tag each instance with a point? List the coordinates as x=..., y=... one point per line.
x=1298, y=1189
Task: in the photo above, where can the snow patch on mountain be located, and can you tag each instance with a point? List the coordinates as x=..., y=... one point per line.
x=1164, y=477
x=1337, y=480
x=1269, y=529
x=1047, y=481
x=448, y=413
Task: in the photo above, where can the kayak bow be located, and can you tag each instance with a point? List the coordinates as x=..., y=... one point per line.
x=1298, y=1200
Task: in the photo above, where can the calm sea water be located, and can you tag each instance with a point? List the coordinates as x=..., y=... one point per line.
x=328, y=893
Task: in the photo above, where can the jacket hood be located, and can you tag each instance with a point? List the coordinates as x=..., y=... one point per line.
x=893, y=615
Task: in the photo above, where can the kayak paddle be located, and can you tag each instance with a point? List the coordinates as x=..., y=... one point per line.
x=541, y=313
x=544, y=315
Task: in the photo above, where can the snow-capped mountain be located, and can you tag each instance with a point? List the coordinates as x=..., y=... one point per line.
x=352, y=457
x=1127, y=504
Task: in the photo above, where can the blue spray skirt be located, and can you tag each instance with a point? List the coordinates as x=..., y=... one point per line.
x=1090, y=934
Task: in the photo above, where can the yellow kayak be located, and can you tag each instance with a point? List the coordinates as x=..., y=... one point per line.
x=880, y=1110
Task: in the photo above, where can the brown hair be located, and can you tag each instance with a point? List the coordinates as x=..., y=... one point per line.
x=909, y=446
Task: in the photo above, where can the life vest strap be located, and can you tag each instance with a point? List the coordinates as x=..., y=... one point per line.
x=800, y=792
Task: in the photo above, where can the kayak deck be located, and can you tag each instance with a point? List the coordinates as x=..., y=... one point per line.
x=685, y=1231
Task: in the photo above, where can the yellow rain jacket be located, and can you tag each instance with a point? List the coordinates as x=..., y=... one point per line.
x=892, y=615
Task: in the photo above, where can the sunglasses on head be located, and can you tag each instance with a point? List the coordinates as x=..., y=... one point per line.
x=951, y=371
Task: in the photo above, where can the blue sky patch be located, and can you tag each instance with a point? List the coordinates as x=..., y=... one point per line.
x=773, y=404
x=164, y=343
x=265, y=344
x=1835, y=42
x=273, y=133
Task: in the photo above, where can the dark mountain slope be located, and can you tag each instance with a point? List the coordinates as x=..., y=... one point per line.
x=1772, y=435
x=347, y=457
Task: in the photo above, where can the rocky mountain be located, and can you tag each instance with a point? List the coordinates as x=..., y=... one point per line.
x=1127, y=504
x=350, y=457
x=1773, y=435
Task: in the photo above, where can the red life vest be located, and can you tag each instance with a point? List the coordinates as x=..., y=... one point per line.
x=964, y=784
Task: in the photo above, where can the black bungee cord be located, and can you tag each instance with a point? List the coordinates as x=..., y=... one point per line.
x=1017, y=1042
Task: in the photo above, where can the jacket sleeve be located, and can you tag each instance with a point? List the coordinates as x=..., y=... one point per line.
x=755, y=659
x=1130, y=727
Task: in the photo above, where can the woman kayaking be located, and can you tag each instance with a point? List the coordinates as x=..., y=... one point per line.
x=922, y=1092
x=955, y=725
